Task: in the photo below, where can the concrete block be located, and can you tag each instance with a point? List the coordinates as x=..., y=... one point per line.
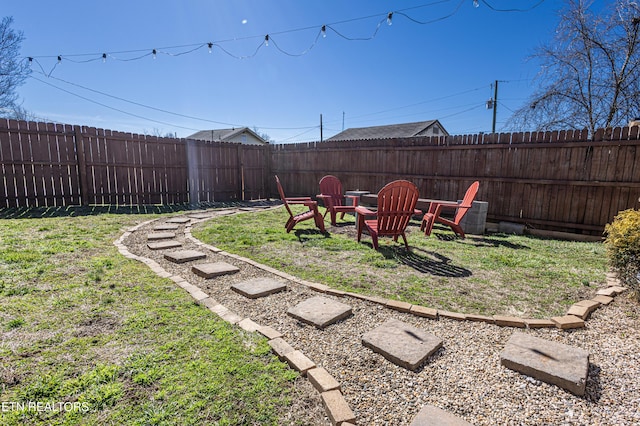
x=320, y=311
x=337, y=408
x=431, y=415
x=422, y=311
x=398, y=305
x=401, y=343
x=568, y=321
x=507, y=321
x=322, y=380
x=183, y=256
x=299, y=362
x=215, y=269
x=280, y=347
x=551, y=362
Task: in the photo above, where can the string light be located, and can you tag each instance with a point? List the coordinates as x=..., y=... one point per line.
x=268, y=38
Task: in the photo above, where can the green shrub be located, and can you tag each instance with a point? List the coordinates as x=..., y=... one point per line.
x=623, y=247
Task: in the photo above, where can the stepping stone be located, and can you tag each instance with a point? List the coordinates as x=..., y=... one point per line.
x=161, y=235
x=164, y=245
x=402, y=343
x=431, y=415
x=551, y=362
x=258, y=287
x=212, y=270
x=183, y=256
x=320, y=311
x=201, y=215
x=179, y=220
x=166, y=227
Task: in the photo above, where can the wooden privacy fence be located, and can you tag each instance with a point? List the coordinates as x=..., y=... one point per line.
x=45, y=164
x=562, y=181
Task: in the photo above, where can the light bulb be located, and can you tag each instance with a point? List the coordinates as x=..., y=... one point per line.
x=104, y=58
x=210, y=46
x=324, y=31
x=476, y=3
x=59, y=58
x=154, y=53
x=389, y=17
x=266, y=40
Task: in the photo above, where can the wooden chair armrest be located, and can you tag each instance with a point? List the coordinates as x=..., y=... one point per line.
x=439, y=205
x=354, y=199
x=298, y=200
x=365, y=211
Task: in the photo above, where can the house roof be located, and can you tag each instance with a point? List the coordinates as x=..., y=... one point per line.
x=402, y=130
x=222, y=135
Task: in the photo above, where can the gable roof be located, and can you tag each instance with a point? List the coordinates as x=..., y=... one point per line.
x=223, y=135
x=402, y=130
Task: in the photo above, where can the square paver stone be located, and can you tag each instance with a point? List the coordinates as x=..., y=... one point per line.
x=201, y=215
x=167, y=244
x=178, y=220
x=166, y=227
x=160, y=235
x=320, y=311
x=550, y=362
x=183, y=256
x=258, y=287
x=431, y=415
x=215, y=269
x=402, y=343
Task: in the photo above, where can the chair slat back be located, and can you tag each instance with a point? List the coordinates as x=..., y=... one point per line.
x=467, y=201
x=331, y=186
x=396, y=204
x=282, y=197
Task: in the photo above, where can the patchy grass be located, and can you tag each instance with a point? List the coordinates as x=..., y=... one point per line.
x=82, y=325
x=492, y=274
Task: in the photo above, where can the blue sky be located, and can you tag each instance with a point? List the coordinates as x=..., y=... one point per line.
x=405, y=72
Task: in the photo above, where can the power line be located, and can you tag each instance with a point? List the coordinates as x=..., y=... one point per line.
x=110, y=107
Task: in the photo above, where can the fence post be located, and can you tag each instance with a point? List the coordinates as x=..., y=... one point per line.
x=241, y=170
x=82, y=165
x=193, y=172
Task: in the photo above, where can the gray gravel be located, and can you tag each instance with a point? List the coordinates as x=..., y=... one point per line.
x=464, y=377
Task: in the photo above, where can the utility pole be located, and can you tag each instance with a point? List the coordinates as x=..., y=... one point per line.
x=495, y=106
x=320, y=127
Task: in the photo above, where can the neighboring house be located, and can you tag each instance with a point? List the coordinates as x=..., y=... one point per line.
x=405, y=130
x=240, y=135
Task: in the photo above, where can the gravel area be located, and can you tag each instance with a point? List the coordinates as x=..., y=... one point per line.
x=464, y=377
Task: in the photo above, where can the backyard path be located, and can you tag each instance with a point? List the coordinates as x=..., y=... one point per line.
x=464, y=377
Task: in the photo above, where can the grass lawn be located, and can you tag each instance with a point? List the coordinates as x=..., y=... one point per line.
x=493, y=274
x=82, y=325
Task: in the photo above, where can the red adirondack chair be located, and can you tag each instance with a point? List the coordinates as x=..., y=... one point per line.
x=435, y=209
x=312, y=213
x=396, y=204
x=334, y=201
